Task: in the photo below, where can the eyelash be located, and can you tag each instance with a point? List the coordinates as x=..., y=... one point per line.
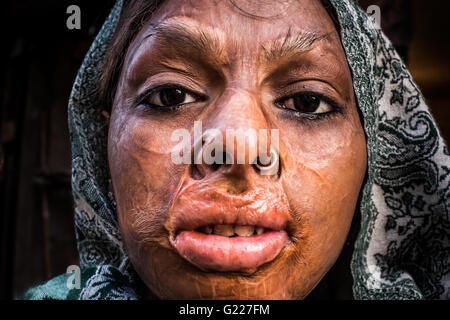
x=310, y=116
x=290, y=112
x=142, y=99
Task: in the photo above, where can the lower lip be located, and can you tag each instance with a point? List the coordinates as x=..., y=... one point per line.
x=238, y=254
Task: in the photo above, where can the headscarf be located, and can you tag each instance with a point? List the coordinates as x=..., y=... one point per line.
x=402, y=250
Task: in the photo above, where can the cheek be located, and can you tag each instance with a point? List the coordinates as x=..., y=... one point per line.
x=143, y=176
x=324, y=174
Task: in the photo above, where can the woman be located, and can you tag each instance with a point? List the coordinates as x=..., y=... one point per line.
x=355, y=137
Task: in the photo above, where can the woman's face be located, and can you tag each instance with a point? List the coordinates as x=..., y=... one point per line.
x=227, y=230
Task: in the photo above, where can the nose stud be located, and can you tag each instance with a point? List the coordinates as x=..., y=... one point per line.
x=272, y=167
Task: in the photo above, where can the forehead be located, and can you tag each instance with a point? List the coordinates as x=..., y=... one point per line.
x=244, y=21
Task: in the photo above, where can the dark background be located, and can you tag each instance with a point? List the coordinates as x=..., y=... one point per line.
x=39, y=61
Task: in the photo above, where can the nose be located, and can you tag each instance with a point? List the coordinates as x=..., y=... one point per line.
x=236, y=143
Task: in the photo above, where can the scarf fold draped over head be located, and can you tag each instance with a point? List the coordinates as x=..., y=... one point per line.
x=402, y=250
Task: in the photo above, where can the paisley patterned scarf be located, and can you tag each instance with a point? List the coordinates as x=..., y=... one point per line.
x=402, y=250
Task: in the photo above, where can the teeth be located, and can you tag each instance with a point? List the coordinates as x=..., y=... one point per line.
x=228, y=230
x=244, y=231
x=207, y=229
x=225, y=230
x=259, y=230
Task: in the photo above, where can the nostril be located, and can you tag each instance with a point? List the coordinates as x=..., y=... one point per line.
x=223, y=160
x=215, y=166
x=200, y=166
x=195, y=173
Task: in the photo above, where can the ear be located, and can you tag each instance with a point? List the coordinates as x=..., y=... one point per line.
x=106, y=115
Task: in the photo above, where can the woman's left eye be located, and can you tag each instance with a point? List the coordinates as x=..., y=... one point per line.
x=170, y=97
x=306, y=103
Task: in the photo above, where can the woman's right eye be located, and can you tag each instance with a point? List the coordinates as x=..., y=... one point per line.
x=170, y=97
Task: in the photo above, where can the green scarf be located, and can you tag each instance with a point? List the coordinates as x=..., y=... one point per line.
x=402, y=250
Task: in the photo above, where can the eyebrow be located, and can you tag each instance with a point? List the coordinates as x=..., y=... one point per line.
x=207, y=43
x=292, y=44
x=210, y=43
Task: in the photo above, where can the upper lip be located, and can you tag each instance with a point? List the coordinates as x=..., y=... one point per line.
x=198, y=209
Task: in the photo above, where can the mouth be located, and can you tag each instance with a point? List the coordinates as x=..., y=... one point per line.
x=237, y=252
x=229, y=236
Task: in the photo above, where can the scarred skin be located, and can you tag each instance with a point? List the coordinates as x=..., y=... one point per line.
x=323, y=160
